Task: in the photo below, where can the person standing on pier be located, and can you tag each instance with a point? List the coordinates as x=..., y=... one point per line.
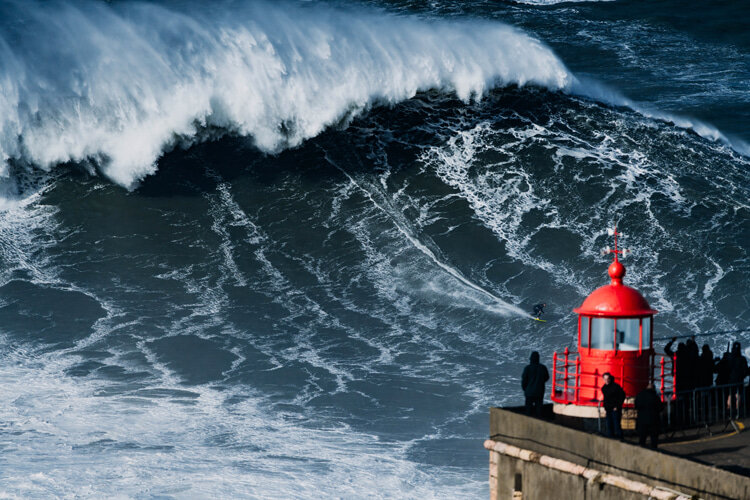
x=613, y=397
x=648, y=405
x=722, y=369
x=706, y=367
x=737, y=374
x=533, y=380
x=692, y=363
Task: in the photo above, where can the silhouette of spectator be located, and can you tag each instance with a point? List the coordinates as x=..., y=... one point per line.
x=692, y=364
x=668, y=348
x=737, y=374
x=705, y=378
x=613, y=397
x=648, y=405
x=706, y=367
x=722, y=368
x=681, y=372
x=533, y=380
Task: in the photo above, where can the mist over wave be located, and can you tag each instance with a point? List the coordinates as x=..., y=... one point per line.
x=116, y=85
x=595, y=90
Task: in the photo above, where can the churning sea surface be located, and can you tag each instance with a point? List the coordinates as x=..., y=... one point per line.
x=288, y=249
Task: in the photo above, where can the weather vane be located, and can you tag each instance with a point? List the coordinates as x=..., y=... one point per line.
x=616, y=251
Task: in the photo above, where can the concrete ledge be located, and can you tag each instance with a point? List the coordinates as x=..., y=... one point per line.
x=592, y=476
x=614, y=457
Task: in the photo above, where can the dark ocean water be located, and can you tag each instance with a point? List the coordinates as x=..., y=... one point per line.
x=282, y=250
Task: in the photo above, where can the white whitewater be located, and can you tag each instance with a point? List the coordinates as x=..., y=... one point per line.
x=115, y=86
x=120, y=84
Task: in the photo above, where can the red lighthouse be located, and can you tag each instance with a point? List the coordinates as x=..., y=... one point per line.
x=615, y=335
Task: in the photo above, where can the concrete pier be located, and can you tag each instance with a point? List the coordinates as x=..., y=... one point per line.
x=540, y=459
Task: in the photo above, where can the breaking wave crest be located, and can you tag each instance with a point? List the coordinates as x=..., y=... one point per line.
x=115, y=85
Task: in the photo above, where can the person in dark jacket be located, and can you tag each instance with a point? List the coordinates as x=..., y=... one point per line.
x=613, y=397
x=534, y=377
x=706, y=367
x=737, y=374
x=692, y=359
x=682, y=370
x=648, y=405
x=722, y=369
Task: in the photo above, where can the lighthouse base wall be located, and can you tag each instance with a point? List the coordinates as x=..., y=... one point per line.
x=538, y=459
x=591, y=418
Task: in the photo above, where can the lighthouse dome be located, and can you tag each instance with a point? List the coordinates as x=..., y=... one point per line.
x=615, y=300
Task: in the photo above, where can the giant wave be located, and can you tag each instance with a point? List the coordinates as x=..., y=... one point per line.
x=117, y=85
x=114, y=86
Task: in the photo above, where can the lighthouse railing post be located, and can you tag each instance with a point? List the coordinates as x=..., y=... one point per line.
x=661, y=389
x=674, y=377
x=554, y=374
x=693, y=404
x=565, y=383
x=669, y=412
x=578, y=380
x=716, y=404
x=652, y=367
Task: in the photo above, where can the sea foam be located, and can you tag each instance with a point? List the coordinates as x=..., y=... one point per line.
x=114, y=86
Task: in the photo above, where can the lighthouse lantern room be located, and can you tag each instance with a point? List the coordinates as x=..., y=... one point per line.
x=615, y=335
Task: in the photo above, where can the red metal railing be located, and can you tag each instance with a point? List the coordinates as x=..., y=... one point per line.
x=567, y=386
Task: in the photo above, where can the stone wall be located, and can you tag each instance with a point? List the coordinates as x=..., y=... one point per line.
x=595, y=453
x=520, y=480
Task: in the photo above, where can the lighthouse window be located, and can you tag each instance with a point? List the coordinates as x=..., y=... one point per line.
x=646, y=333
x=584, y=331
x=628, y=334
x=602, y=333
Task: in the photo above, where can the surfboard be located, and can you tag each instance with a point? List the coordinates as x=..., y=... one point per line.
x=540, y=320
